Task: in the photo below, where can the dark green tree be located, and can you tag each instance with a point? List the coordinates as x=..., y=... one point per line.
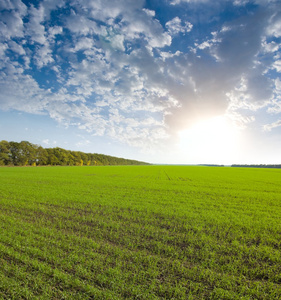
x=5, y=153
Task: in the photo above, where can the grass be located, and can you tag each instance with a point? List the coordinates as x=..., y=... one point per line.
x=140, y=232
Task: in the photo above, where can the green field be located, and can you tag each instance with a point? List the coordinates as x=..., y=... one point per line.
x=140, y=232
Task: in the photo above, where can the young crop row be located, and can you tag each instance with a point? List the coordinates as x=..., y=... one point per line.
x=145, y=232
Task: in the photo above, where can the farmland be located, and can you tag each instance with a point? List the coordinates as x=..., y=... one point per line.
x=140, y=232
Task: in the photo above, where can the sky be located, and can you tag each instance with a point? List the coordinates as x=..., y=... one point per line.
x=162, y=81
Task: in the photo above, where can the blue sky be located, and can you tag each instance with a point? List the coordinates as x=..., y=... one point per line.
x=170, y=81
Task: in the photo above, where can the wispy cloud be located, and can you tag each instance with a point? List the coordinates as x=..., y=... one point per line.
x=269, y=127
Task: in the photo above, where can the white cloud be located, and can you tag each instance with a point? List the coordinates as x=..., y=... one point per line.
x=82, y=25
x=166, y=55
x=34, y=29
x=235, y=2
x=139, y=26
x=3, y=48
x=278, y=84
x=204, y=45
x=11, y=25
x=271, y=47
x=20, y=91
x=83, y=143
x=43, y=56
x=17, y=48
x=277, y=65
x=106, y=10
x=150, y=13
x=116, y=40
x=176, y=26
x=53, y=31
x=240, y=2
x=241, y=121
x=83, y=43
x=274, y=28
x=50, y=5
x=39, y=33
x=269, y=127
x=13, y=5
x=176, y=2
x=46, y=142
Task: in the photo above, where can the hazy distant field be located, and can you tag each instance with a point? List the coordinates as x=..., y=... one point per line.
x=140, y=232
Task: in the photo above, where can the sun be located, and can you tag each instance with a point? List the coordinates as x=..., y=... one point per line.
x=214, y=140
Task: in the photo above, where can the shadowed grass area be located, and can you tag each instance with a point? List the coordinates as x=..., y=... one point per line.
x=140, y=232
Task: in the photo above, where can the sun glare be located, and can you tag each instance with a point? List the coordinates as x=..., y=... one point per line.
x=213, y=141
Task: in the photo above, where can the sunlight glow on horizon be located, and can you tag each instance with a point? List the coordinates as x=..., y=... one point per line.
x=215, y=140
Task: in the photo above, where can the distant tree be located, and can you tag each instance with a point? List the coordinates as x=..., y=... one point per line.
x=22, y=153
x=61, y=155
x=77, y=158
x=70, y=159
x=52, y=159
x=41, y=156
x=5, y=153
x=84, y=157
x=28, y=152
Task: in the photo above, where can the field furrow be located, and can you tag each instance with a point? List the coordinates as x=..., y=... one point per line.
x=153, y=232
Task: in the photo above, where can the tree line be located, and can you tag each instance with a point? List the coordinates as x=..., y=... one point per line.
x=257, y=166
x=28, y=154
